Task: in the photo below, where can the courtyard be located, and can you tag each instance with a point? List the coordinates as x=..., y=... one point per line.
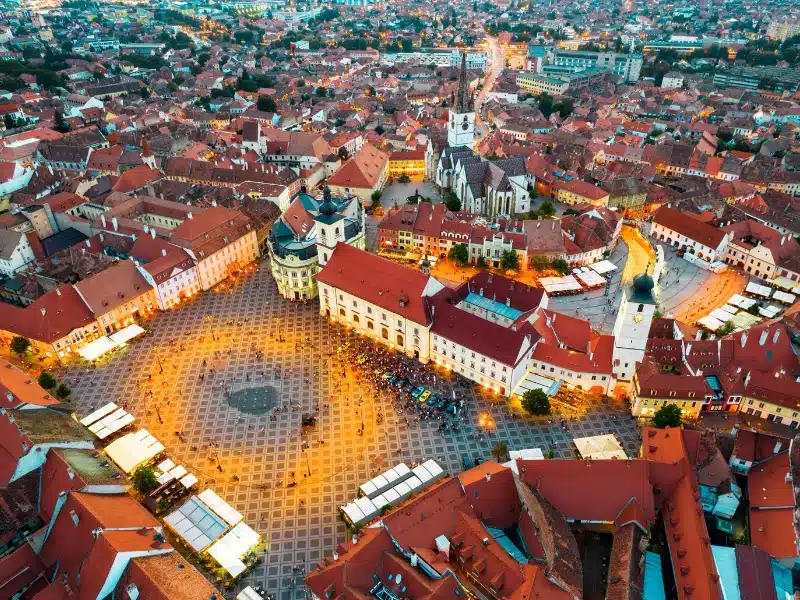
x=229, y=377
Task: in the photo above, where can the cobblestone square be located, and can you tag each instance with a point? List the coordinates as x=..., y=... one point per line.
x=266, y=351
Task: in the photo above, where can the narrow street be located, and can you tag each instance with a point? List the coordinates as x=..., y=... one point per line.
x=496, y=65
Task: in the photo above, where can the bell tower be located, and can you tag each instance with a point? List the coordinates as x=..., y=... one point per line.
x=461, y=125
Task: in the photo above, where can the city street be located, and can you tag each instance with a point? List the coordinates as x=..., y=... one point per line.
x=207, y=350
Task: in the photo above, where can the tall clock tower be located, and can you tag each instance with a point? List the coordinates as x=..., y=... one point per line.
x=632, y=327
x=461, y=126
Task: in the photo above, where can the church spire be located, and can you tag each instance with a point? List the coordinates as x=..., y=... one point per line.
x=463, y=101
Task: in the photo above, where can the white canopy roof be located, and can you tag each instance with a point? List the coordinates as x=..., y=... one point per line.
x=248, y=593
x=710, y=323
x=604, y=266
x=784, y=283
x=96, y=348
x=783, y=297
x=230, y=549
x=128, y=333
x=219, y=506
x=741, y=301
x=560, y=284
x=599, y=447
x=99, y=414
x=188, y=481
x=197, y=524
x=758, y=290
x=720, y=315
x=769, y=311
x=591, y=279
x=166, y=465
x=134, y=449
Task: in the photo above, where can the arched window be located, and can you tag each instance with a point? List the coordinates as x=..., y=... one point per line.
x=399, y=340
x=342, y=313
x=356, y=319
x=384, y=333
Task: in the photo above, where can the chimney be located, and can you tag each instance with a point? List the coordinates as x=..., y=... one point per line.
x=688, y=349
x=153, y=233
x=114, y=223
x=88, y=243
x=481, y=292
x=58, y=291
x=146, y=229
x=44, y=312
x=189, y=216
x=103, y=220
x=776, y=336
x=744, y=339
x=163, y=252
x=763, y=339
x=488, y=476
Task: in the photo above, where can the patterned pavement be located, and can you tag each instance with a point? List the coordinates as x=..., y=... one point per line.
x=299, y=369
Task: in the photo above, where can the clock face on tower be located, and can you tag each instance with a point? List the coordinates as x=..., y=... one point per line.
x=638, y=318
x=465, y=126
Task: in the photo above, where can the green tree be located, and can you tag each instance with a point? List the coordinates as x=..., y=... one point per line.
x=452, y=202
x=60, y=123
x=536, y=402
x=62, y=391
x=546, y=209
x=561, y=266
x=46, y=380
x=540, y=262
x=726, y=329
x=500, y=451
x=266, y=104
x=376, y=196
x=404, y=178
x=459, y=254
x=145, y=480
x=481, y=263
x=20, y=345
x=9, y=122
x=320, y=92
x=509, y=261
x=379, y=130
x=343, y=153
x=668, y=415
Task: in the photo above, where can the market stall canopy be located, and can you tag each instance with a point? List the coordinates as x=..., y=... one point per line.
x=219, y=506
x=132, y=450
x=126, y=334
x=601, y=447
x=96, y=348
x=230, y=550
x=196, y=524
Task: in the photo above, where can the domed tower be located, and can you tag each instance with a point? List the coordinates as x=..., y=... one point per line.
x=632, y=327
x=330, y=227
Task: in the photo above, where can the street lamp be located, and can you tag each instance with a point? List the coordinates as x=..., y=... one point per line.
x=158, y=413
x=216, y=455
x=160, y=364
x=210, y=322
x=308, y=463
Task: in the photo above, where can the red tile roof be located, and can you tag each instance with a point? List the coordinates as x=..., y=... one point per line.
x=772, y=530
x=136, y=178
x=363, y=170
x=397, y=288
x=688, y=226
x=50, y=318
x=767, y=484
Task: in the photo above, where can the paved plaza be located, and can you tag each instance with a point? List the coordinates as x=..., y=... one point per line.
x=685, y=291
x=267, y=352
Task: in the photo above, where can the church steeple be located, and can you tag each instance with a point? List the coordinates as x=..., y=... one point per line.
x=461, y=124
x=463, y=100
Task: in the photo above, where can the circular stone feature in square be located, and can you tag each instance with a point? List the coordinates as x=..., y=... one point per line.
x=254, y=400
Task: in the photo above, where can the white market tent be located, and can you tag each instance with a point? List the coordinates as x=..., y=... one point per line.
x=165, y=465
x=386, y=480
x=219, y=506
x=178, y=472
x=603, y=267
x=720, y=315
x=758, y=290
x=188, y=481
x=741, y=301
x=591, y=279
x=196, y=524
x=126, y=334
x=744, y=320
x=111, y=423
x=599, y=447
x=556, y=285
x=783, y=283
x=428, y=472
x=729, y=309
x=710, y=323
x=524, y=454
x=99, y=414
x=770, y=311
x=96, y=348
x=165, y=478
x=230, y=549
x=783, y=297
x=132, y=450
x=248, y=593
